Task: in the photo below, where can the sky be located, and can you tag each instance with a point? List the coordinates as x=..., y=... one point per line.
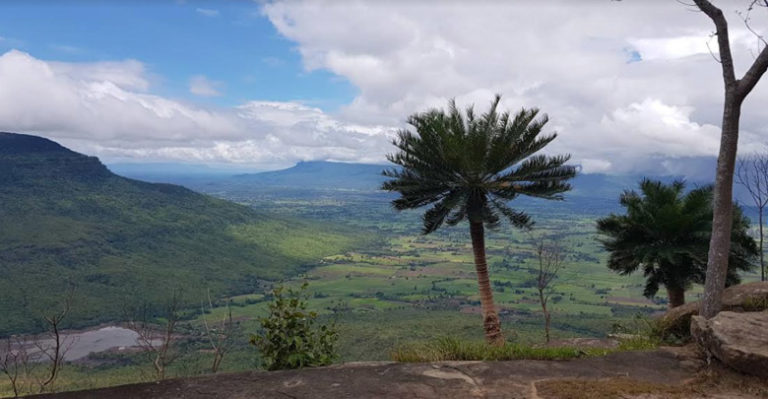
x=629, y=86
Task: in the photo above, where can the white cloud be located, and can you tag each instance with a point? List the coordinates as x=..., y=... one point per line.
x=651, y=115
x=202, y=86
x=571, y=60
x=208, y=12
x=103, y=109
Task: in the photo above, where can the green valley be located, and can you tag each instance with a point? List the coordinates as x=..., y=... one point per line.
x=369, y=269
x=67, y=220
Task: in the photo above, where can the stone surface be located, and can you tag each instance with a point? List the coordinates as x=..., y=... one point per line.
x=738, y=298
x=512, y=379
x=738, y=340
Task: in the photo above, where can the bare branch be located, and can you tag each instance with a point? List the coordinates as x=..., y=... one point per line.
x=712, y=53
x=156, y=340
x=752, y=174
x=753, y=75
x=721, y=30
x=551, y=260
x=220, y=337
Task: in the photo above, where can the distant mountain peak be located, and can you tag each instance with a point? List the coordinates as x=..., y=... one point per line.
x=17, y=143
x=322, y=175
x=24, y=157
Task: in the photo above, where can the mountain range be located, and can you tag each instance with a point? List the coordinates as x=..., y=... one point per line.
x=65, y=219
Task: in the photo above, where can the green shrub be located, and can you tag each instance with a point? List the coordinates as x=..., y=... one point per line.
x=452, y=349
x=642, y=333
x=290, y=337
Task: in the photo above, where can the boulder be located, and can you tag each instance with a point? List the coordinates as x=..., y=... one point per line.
x=750, y=297
x=738, y=340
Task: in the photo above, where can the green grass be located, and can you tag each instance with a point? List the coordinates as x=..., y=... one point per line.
x=452, y=349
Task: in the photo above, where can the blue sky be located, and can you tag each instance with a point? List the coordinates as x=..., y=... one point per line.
x=230, y=42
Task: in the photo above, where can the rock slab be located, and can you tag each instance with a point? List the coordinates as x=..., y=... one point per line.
x=750, y=297
x=738, y=340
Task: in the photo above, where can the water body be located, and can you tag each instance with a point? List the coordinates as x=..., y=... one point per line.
x=81, y=344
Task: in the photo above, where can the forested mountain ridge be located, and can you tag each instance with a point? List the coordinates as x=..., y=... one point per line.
x=65, y=218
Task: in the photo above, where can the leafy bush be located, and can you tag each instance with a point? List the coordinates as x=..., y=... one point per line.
x=290, y=337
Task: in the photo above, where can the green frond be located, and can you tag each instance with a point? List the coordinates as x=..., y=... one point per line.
x=453, y=154
x=666, y=232
x=518, y=219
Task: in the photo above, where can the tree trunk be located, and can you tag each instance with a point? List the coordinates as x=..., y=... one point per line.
x=676, y=297
x=720, y=242
x=762, y=255
x=547, y=318
x=491, y=323
x=736, y=90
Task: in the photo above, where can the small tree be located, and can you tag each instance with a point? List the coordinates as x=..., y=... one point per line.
x=156, y=336
x=56, y=351
x=290, y=338
x=220, y=336
x=752, y=174
x=11, y=363
x=665, y=232
x=551, y=260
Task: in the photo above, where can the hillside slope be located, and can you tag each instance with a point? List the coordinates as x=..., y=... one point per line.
x=65, y=217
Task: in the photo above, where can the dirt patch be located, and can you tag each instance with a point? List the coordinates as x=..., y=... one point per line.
x=609, y=388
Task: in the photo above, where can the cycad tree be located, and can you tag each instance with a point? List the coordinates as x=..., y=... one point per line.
x=665, y=233
x=468, y=167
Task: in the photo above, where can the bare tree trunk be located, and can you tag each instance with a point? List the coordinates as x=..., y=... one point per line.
x=491, y=322
x=56, y=357
x=676, y=297
x=720, y=241
x=217, y=358
x=547, y=318
x=762, y=255
x=736, y=90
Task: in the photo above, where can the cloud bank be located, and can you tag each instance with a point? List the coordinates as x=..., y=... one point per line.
x=104, y=109
x=629, y=86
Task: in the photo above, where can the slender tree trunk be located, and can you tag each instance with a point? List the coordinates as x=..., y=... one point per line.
x=720, y=241
x=491, y=323
x=736, y=90
x=762, y=255
x=676, y=297
x=547, y=318
x=217, y=358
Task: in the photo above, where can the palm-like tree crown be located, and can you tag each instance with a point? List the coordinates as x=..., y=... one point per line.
x=466, y=166
x=665, y=233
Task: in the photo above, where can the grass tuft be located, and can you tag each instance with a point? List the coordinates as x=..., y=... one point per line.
x=448, y=348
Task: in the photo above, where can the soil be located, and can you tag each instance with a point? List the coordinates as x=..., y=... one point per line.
x=659, y=374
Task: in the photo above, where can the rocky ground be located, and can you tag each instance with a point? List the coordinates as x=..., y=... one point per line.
x=666, y=373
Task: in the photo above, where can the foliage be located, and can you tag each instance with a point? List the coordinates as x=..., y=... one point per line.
x=290, y=338
x=469, y=167
x=638, y=333
x=452, y=349
x=665, y=233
